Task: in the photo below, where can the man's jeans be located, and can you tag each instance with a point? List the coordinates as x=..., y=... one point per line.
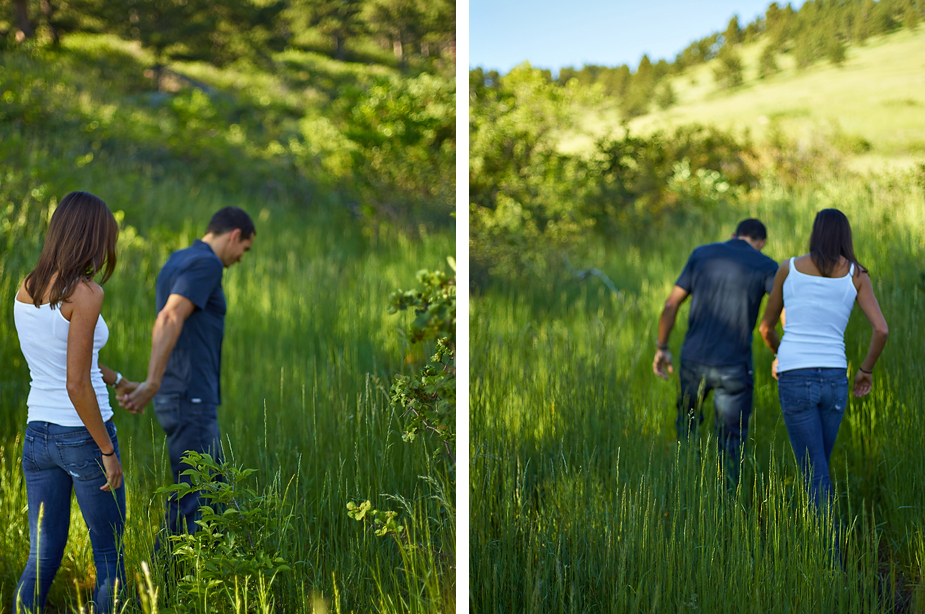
x=732, y=388
x=813, y=402
x=189, y=426
x=55, y=459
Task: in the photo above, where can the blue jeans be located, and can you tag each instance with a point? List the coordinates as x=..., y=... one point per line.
x=189, y=426
x=813, y=402
x=55, y=459
x=732, y=387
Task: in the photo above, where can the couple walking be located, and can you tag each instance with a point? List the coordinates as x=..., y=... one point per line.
x=70, y=441
x=813, y=296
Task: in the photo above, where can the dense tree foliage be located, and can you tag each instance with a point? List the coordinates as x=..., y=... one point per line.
x=219, y=32
x=530, y=204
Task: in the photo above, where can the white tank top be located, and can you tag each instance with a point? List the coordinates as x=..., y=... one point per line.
x=43, y=339
x=817, y=312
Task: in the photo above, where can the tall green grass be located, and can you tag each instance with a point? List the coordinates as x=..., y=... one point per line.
x=582, y=499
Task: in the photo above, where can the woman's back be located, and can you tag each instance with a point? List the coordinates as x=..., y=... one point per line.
x=43, y=335
x=818, y=309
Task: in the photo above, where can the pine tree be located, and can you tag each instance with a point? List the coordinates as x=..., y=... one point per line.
x=339, y=20
x=728, y=70
x=862, y=21
x=22, y=18
x=804, y=51
x=836, y=51
x=767, y=62
x=665, y=96
x=195, y=29
x=733, y=34
x=910, y=16
x=401, y=21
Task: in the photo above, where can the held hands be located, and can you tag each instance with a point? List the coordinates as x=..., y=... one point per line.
x=125, y=386
x=662, y=364
x=136, y=399
x=113, y=467
x=863, y=382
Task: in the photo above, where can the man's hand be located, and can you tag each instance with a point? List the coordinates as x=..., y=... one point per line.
x=662, y=364
x=136, y=400
x=125, y=387
x=863, y=382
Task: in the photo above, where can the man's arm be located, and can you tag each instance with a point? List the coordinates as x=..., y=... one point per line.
x=167, y=328
x=774, y=311
x=662, y=363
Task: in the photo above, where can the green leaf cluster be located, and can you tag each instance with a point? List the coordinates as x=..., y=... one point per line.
x=404, y=136
x=239, y=537
x=427, y=399
x=384, y=522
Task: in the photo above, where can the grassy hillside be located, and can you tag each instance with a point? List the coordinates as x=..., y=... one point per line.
x=309, y=347
x=878, y=95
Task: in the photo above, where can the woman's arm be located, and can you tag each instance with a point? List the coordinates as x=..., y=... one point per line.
x=773, y=309
x=863, y=379
x=110, y=376
x=85, y=306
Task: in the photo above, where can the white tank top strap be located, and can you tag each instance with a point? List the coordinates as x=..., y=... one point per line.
x=851, y=271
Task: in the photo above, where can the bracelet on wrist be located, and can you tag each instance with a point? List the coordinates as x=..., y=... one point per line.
x=110, y=454
x=663, y=348
x=863, y=370
x=118, y=380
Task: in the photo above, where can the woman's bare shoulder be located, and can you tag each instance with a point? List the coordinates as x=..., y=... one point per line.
x=22, y=295
x=87, y=293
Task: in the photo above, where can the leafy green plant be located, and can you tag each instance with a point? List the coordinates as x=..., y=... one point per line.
x=428, y=399
x=384, y=521
x=239, y=536
x=405, y=153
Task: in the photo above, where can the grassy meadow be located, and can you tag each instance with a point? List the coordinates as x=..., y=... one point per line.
x=309, y=349
x=877, y=95
x=583, y=501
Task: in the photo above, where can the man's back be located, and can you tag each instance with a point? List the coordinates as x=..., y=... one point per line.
x=194, y=365
x=726, y=282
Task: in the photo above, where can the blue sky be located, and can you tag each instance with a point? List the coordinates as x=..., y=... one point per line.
x=552, y=34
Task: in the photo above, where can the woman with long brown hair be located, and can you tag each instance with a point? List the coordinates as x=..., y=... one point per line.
x=819, y=290
x=70, y=442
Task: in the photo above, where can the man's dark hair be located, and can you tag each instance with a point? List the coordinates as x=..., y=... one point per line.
x=753, y=229
x=232, y=218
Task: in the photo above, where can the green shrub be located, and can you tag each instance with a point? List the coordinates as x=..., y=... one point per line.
x=237, y=546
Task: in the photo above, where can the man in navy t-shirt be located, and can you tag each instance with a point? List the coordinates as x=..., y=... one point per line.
x=726, y=282
x=186, y=350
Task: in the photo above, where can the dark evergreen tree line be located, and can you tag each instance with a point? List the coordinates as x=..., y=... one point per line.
x=219, y=32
